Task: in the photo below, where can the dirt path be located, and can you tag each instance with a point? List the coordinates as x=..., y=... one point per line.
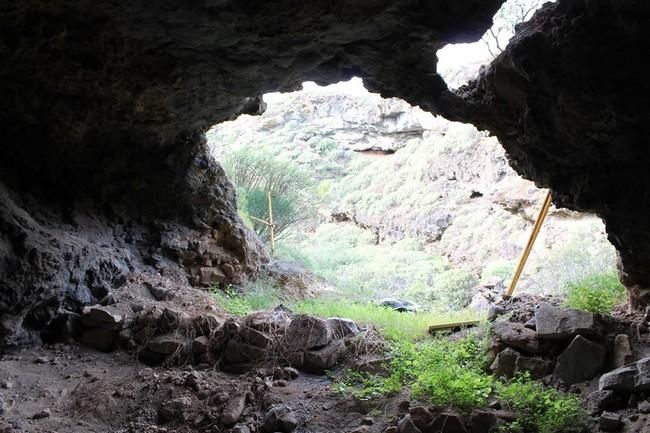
x=70, y=389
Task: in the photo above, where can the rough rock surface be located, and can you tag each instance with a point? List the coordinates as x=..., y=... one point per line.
x=581, y=361
x=630, y=378
x=555, y=323
x=103, y=167
x=567, y=100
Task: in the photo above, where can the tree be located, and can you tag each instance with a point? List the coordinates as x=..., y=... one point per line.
x=511, y=13
x=254, y=173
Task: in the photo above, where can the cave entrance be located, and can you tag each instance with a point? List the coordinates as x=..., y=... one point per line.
x=377, y=201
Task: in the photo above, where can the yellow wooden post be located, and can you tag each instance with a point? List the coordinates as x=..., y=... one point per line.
x=271, y=225
x=531, y=241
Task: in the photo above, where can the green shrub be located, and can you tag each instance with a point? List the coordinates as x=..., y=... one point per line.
x=256, y=172
x=261, y=294
x=598, y=293
x=440, y=371
x=393, y=325
x=499, y=268
x=453, y=288
x=540, y=409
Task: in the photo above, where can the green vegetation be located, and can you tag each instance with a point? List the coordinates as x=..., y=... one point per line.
x=447, y=373
x=259, y=295
x=361, y=269
x=541, y=409
x=392, y=324
x=255, y=173
x=598, y=293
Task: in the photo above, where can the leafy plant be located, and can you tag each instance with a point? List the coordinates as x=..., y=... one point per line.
x=598, y=293
x=441, y=371
x=453, y=288
x=255, y=173
x=257, y=295
x=540, y=409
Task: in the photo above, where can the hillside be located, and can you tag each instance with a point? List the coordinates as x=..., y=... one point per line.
x=390, y=179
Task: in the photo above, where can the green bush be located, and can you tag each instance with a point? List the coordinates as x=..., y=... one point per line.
x=443, y=372
x=453, y=288
x=598, y=293
x=261, y=294
x=256, y=172
x=540, y=409
x=503, y=269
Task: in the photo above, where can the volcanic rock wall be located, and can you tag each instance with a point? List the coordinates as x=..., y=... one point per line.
x=568, y=101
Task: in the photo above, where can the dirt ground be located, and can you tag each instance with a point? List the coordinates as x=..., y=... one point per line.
x=71, y=389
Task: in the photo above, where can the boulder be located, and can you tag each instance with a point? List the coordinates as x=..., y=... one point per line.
x=483, y=421
x=448, y=423
x=206, y=324
x=238, y=352
x=342, y=328
x=598, y=401
x=279, y=419
x=319, y=360
x=255, y=337
x=633, y=377
x=580, y=361
x=172, y=320
x=99, y=316
x=308, y=332
x=610, y=421
x=174, y=410
x=536, y=367
x=516, y=335
x=274, y=321
x=644, y=407
x=556, y=323
x=166, y=344
x=406, y=425
x=421, y=417
x=494, y=312
x=233, y=409
x=505, y=362
x=622, y=351
x=200, y=344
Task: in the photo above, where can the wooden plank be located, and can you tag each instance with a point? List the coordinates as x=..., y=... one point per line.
x=453, y=326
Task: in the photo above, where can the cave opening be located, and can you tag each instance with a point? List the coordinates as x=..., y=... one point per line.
x=377, y=201
x=125, y=229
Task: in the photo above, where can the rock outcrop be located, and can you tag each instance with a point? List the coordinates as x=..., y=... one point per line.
x=567, y=99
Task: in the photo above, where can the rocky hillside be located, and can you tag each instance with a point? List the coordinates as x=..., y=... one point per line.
x=401, y=173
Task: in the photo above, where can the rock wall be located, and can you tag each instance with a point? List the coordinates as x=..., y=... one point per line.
x=567, y=99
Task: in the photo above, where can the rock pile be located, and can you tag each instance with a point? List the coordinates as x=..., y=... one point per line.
x=567, y=345
x=165, y=335
x=579, y=351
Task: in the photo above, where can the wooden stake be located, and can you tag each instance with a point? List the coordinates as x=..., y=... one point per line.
x=271, y=225
x=529, y=247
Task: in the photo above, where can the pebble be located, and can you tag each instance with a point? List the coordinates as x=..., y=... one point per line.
x=41, y=360
x=45, y=413
x=6, y=385
x=644, y=406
